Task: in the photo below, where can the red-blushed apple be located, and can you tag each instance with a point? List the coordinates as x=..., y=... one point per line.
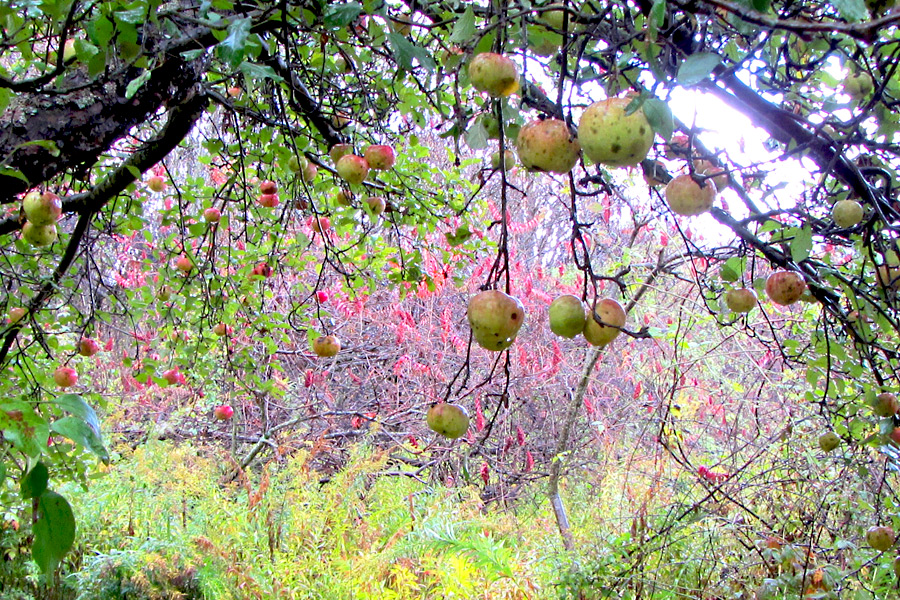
x=886, y=405
x=547, y=145
x=223, y=412
x=320, y=224
x=353, y=169
x=16, y=314
x=268, y=200
x=184, y=264
x=235, y=91
x=608, y=136
x=894, y=436
x=156, y=184
x=376, y=204
x=449, y=420
x=785, y=287
x=688, y=198
x=495, y=319
x=611, y=315
x=321, y=296
x=740, y=300
x=339, y=151
x=221, y=329
x=212, y=215
x=880, y=537
x=309, y=172
x=65, y=376
x=42, y=209
x=494, y=73
x=39, y=235
x=268, y=187
x=380, y=157
x=326, y=346
x=88, y=347
x=261, y=270
x=717, y=175
x=174, y=376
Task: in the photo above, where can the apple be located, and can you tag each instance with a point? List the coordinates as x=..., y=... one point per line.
x=495, y=319
x=68, y=50
x=888, y=276
x=548, y=145
x=353, y=169
x=268, y=187
x=785, y=287
x=612, y=318
x=309, y=172
x=221, y=329
x=449, y=420
x=212, y=215
x=173, y=376
x=164, y=293
x=741, y=300
x=17, y=314
x=156, y=184
x=268, y=200
x=880, y=537
x=321, y=296
x=828, y=441
x=894, y=436
x=567, y=316
x=494, y=73
x=858, y=86
x=297, y=163
x=338, y=151
x=234, y=91
x=223, y=412
x=184, y=264
x=65, y=376
x=886, y=405
x=608, y=136
x=718, y=175
x=687, y=198
x=326, y=346
x=847, y=213
x=343, y=198
x=380, y=157
x=320, y=224
x=42, y=209
x=509, y=160
x=376, y=204
x=88, y=347
x=39, y=235
x=261, y=270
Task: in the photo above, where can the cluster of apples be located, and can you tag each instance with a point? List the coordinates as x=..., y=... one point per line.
x=354, y=169
x=570, y=317
x=782, y=287
x=42, y=211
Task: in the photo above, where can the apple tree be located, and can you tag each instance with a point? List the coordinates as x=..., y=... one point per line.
x=182, y=180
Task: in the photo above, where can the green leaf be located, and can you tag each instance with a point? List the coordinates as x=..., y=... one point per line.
x=231, y=49
x=54, y=532
x=255, y=71
x=476, y=136
x=405, y=51
x=659, y=115
x=340, y=15
x=761, y=5
x=658, y=13
x=852, y=10
x=464, y=28
x=801, y=245
x=732, y=269
x=133, y=16
x=76, y=405
x=82, y=434
x=7, y=172
x=135, y=84
x=35, y=482
x=697, y=67
x=2, y=473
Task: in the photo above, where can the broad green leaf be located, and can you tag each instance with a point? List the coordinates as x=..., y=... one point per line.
x=135, y=84
x=231, y=49
x=659, y=115
x=255, y=71
x=658, y=13
x=761, y=5
x=733, y=268
x=405, y=51
x=24, y=428
x=133, y=16
x=82, y=434
x=7, y=172
x=35, y=482
x=338, y=16
x=476, y=135
x=464, y=28
x=76, y=405
x=801, y=245
x=852, y=10
x=54, y=532
x=697, y=67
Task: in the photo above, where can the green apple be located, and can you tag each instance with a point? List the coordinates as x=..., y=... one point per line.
x=610, y=137
x=567, y=316
x=548, y=145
